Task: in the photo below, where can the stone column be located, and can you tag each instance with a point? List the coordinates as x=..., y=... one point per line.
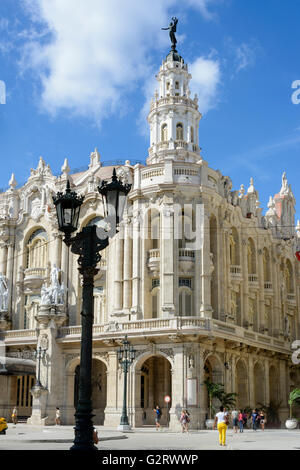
x=57, y=248
x=3, y=258
x=245, y=283
x=136, y=259
x=283, y=391
x=9, y=273
x=202, y=389
x=65, y=271
x=222, y=269
x=127, y=292
x=267, y=379
x=276, y=289
x=167, y=261
x=251, y=382
x=261, y=293
x=151, y=403
x=178, y=387
x=50, y=394
x=118, y=282
x=114, y=391
x=206, y=308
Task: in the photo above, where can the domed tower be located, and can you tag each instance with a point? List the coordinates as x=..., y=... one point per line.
x=174, y=116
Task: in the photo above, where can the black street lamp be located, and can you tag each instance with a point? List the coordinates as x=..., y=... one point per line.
x=87, y=245
x=126, y=355
x=39, y=354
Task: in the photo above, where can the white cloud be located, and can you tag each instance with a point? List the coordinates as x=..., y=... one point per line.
x=206, y=79
x=90, y=54
x=244, y=54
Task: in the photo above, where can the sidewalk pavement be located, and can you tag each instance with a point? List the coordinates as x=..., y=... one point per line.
x=27, y=437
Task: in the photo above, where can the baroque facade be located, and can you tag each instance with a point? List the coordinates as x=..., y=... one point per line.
x=203, y=284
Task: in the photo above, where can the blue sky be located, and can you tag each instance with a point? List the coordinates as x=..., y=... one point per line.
x=79, y=75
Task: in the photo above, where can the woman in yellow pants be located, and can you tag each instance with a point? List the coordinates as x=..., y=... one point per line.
x=221, y=420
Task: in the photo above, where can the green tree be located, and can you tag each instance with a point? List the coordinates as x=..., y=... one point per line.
x=228, y=400
x=294, y=399
x=214, y=391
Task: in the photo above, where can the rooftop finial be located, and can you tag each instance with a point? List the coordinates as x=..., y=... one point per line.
x=172, y=28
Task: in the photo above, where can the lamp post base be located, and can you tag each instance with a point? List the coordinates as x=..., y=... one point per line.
x=124, y=427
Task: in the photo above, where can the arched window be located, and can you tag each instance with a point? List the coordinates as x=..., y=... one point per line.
x=152, y=225
x=289, y=278
x=234, y=248
x=155, y=296
x=164, y=132
x=266, y=264
x=185, y=302
x=37, y=250
x=192, y=135
x=179, y=131
x=251, y=257
x=184, y=227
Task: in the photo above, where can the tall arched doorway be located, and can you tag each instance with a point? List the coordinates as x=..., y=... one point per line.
x=259, y=385
x=155, y=384
x=99, y=390
x=241, y=385
x=213, y=372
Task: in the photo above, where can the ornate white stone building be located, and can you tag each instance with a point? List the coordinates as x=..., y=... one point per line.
x=201, y=282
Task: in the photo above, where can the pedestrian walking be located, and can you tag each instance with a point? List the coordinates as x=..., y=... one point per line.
x=184, y=420
x=57, y=416
x=262, y=420
x=254, y=419
x=158, y=414
x=241, y=421
x=3, y=426
x=245, y=419
x=188, y=419
x=221, y=420
x=14, y=416
x=234, y=416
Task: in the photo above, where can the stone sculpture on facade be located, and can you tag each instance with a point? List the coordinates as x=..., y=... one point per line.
x=55, y=293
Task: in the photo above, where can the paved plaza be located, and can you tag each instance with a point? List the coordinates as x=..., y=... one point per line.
x=25, y=437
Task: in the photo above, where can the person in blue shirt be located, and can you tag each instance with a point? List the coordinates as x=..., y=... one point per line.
x=157, y=417
x=254, y=419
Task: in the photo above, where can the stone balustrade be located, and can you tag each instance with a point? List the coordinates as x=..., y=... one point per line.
x=185, y=253
x=236, y=271
x=253, y=279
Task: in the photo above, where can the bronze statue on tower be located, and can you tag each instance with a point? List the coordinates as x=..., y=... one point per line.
x=172, y=28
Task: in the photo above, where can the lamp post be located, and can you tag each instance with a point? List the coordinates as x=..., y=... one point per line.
x=39, y=354
x=126, y=355
x=87, y=245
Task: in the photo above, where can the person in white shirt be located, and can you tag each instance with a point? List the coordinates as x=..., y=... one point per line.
x=221, y=420
x=234, y=416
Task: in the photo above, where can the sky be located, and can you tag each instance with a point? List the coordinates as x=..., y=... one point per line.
x=76, y=75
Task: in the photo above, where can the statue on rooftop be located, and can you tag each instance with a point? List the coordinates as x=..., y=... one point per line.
x=172, y=28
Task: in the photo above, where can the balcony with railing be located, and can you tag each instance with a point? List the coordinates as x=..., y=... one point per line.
x=153, y=326
x=253, y=280
x=291, y=298
x=153, y=261
x=35, y=276
x=236, y=272
x=268, y=286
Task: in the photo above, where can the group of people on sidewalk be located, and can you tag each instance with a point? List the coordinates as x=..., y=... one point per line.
x=239, y=419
